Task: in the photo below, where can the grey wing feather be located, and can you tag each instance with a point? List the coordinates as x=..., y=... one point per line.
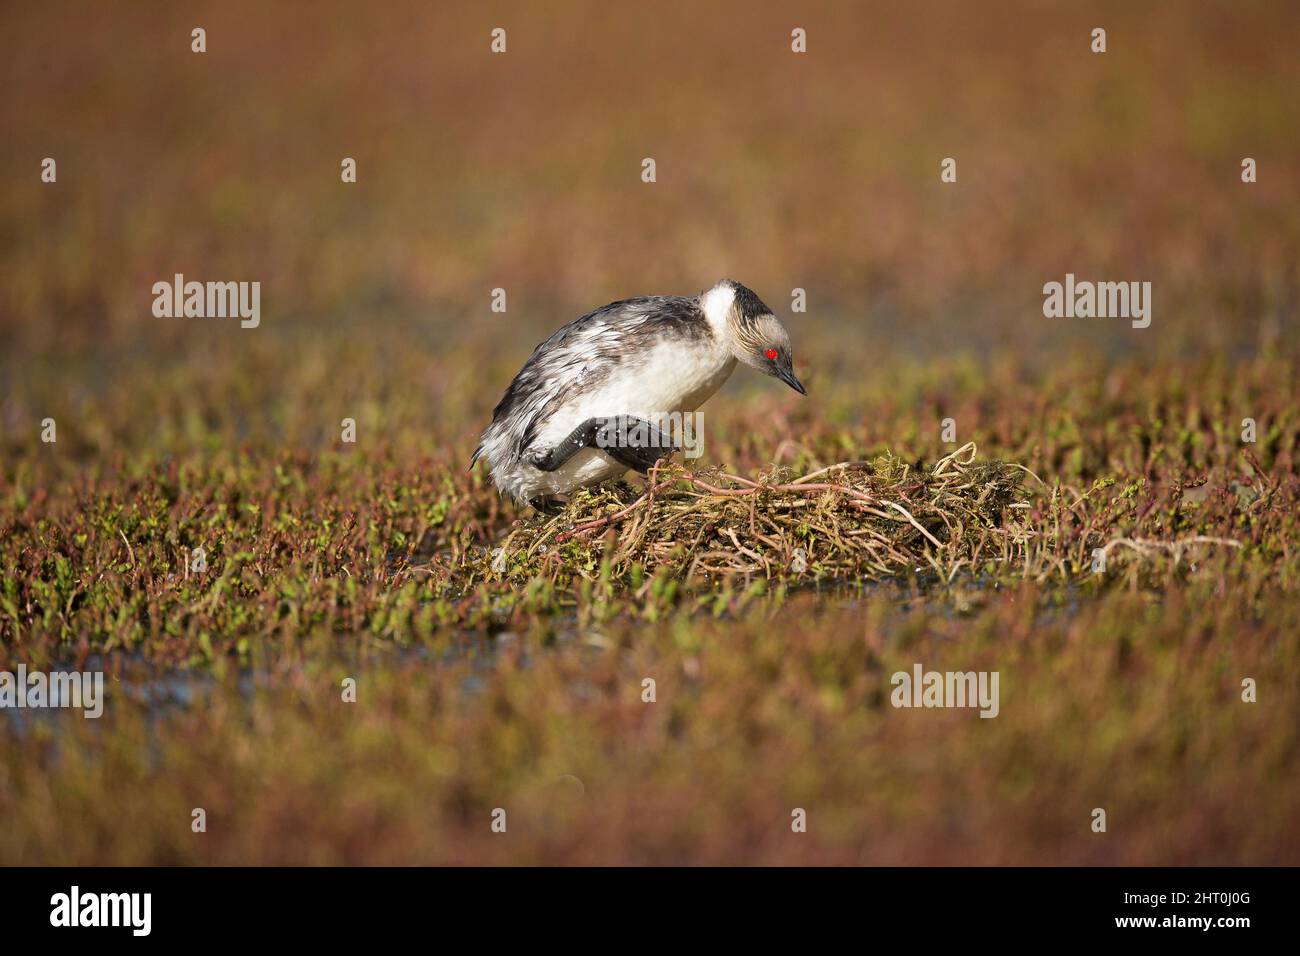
x=582, y=354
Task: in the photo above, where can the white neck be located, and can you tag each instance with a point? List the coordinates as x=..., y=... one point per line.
x=716, y=305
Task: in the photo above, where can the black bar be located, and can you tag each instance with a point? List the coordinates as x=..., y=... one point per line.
x=564, y=907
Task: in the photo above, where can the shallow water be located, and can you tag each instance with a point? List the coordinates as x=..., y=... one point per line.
x=160, y=692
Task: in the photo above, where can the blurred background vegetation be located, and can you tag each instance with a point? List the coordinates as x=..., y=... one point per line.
x=521, y=171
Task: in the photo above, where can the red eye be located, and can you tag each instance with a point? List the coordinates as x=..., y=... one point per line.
x=771, y=353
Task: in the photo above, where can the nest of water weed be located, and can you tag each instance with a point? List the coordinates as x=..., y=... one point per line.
x=869, y=519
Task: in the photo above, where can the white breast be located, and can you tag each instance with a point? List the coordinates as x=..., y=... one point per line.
x=671, y=377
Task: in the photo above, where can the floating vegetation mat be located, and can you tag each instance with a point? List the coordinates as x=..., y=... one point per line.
x=873, y=519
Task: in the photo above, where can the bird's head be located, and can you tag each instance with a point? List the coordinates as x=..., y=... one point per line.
x=754, y=335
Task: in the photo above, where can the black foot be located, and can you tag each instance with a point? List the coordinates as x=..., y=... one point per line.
x=581, y=437
x=634, y=442
x=547, y=505
x=630, y=441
